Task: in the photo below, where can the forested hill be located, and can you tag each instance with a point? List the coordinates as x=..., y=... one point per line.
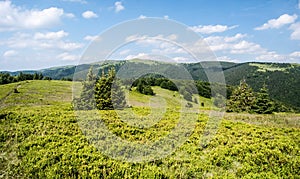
x=282, y=79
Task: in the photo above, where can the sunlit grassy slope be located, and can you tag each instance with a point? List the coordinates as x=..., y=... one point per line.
x=40, y=138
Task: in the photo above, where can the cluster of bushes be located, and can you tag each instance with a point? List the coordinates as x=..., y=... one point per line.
x=6, y=78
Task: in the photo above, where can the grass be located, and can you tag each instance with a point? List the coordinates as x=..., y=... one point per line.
x=44, y=139
x=37, y=93
x=171, y=99
x=268, y=67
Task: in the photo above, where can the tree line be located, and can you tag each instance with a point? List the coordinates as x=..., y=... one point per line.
x=6, y=78
x=107, y=92
x=244, y=99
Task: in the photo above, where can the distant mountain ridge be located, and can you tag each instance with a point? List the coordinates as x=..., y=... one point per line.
x=282, y=79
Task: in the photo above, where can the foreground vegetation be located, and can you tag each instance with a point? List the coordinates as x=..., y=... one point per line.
x=40, y=138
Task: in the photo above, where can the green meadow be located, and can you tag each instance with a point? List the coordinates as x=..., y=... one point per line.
x=41, y=137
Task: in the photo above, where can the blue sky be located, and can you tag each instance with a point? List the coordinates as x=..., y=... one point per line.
x=45, y=33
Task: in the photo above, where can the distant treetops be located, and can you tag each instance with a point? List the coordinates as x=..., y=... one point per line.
x=243, y=99
x=6, y=78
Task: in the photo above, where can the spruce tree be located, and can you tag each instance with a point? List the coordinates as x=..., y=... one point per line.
x=242, y=99
x=264, y=105
x=86, y=101
x=109, y=94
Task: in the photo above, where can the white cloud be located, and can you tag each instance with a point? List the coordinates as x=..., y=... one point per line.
x=142, y=17
x=166, y=17
x=271, y=56
x=78, y=1
x=69, y=46
x=234, y=44
x=235, y=38
x=69, y=15
x=209, y=29
x=67, y=57
x=226, y=59
x=279, y=22
x=181, y=59
x=151, y=40
x=244, y=47
x=139, y=56
x=41, y=41
x=296, y=31
x=119, y=6
x=13, y=17
x=275, y=57
x=89, y=14
x=125, y=52
x=91, y=38
x=50, y=35
x=10, y=53
x=295, y=54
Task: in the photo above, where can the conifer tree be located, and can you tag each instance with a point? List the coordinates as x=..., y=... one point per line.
x=264, y=105
x=109, y=93
x=86, y=101
x=242, y=99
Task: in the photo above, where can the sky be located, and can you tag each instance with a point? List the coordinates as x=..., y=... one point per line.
x=39, y=34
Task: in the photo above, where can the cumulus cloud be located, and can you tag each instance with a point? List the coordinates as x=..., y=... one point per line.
x=271, y=56
x=233, y=44
x=89, y=14
x=296, y=31
x=275, y=57
x=279, y=22
x=142, y=17
x=151, y=40
x=125, y=52
x=246, y=47
x=13, y=17
x=119, y=6
x=226, y=59
x=78, y=1
x=50, y=35
x=295, y=54
x=69, y=15
x=91, y=37
x=181, y=59
x=67, y=57
x=139, y=56
x=209, y=29
x=10, y=53
x=41, y=41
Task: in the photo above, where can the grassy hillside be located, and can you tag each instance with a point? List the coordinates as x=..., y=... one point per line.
x=40, y=138
x=283, y=80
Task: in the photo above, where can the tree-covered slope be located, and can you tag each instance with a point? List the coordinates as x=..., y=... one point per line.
x=282, y=79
